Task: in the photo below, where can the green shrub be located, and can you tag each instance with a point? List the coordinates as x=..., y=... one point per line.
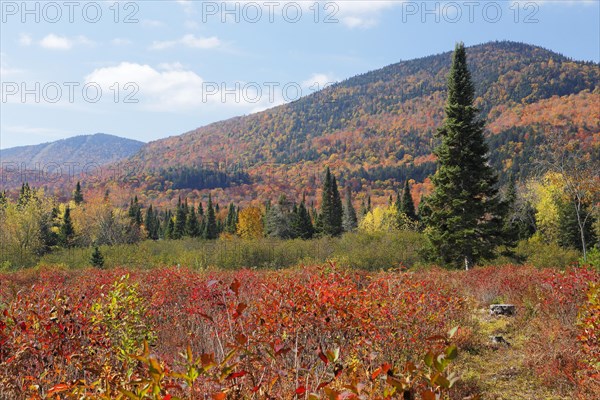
x=122, y=314
x=540, y=254
x=379, y=250
x=593, y=258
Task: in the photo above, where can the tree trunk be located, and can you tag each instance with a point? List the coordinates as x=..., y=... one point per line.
x=468, y=263
x=581, y=225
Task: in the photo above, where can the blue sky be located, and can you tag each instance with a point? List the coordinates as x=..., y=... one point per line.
x=152, y=69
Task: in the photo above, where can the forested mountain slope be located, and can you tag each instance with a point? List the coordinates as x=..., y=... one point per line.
x=376, y=129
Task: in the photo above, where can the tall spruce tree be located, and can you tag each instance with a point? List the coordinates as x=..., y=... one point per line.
x=407, y=206
x=231, y=220
x=135, y=211
x=180, y=221
x=67, y=232
x=192, y=227
x=349, y=221
x=331, y=207
x=152, y=223
x=305, y=226
x=168, y=225
x=464, y=214
x=77, y=195
x=210, y=225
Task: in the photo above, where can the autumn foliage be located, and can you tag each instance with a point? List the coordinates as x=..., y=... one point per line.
x=313, y=332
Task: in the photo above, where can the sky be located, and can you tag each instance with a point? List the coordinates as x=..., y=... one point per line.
x=147, y=70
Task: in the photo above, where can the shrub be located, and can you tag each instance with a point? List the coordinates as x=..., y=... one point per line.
x=540, y=254
x=122, y=314
x=379, y=250
x=593, y=258
x=589, y=337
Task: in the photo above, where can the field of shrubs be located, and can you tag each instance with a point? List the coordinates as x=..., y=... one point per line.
x=315, y=332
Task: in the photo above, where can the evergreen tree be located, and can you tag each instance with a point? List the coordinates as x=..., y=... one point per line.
x=331, y=207
x=231, y=220
x=168, y=225
x=25, y=195
x=97, y=259
x=407, y=206
x=49, y=228
x=279, y=220
x=169, y=232
x=210, y=227
x=3, y=199
x=192, y=227
x=305, y=226
x=338, y=209
x=398, y=202
x=135, y=212
x=77, y=195
x=464, y=214
x=180, y=221
x=152, y=223
x=350, y=222
x=66, y=229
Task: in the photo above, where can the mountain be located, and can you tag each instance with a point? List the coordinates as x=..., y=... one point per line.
x=98, y=149
x=374, y=130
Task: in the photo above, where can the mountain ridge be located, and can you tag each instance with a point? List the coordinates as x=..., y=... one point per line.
x=98, y=148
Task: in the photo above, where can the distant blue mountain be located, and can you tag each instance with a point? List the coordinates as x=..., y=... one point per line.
x=99, y=148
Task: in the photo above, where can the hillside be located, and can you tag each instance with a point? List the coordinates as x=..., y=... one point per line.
x=375, y=130
x=99, y=149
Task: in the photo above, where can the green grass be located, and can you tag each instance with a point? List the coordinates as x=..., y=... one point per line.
x=380, y=251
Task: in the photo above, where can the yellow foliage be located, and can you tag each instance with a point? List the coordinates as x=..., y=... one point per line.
x=380, y=219
x=250, y=224
x=546, y=194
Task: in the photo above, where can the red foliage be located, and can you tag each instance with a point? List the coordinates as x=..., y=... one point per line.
x=273, y=333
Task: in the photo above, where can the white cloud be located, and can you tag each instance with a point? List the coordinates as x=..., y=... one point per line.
x=25, y=39
x=167, y=89
x=56, y=42
x=172, y=87
x=362, y=14
x=188, y=40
